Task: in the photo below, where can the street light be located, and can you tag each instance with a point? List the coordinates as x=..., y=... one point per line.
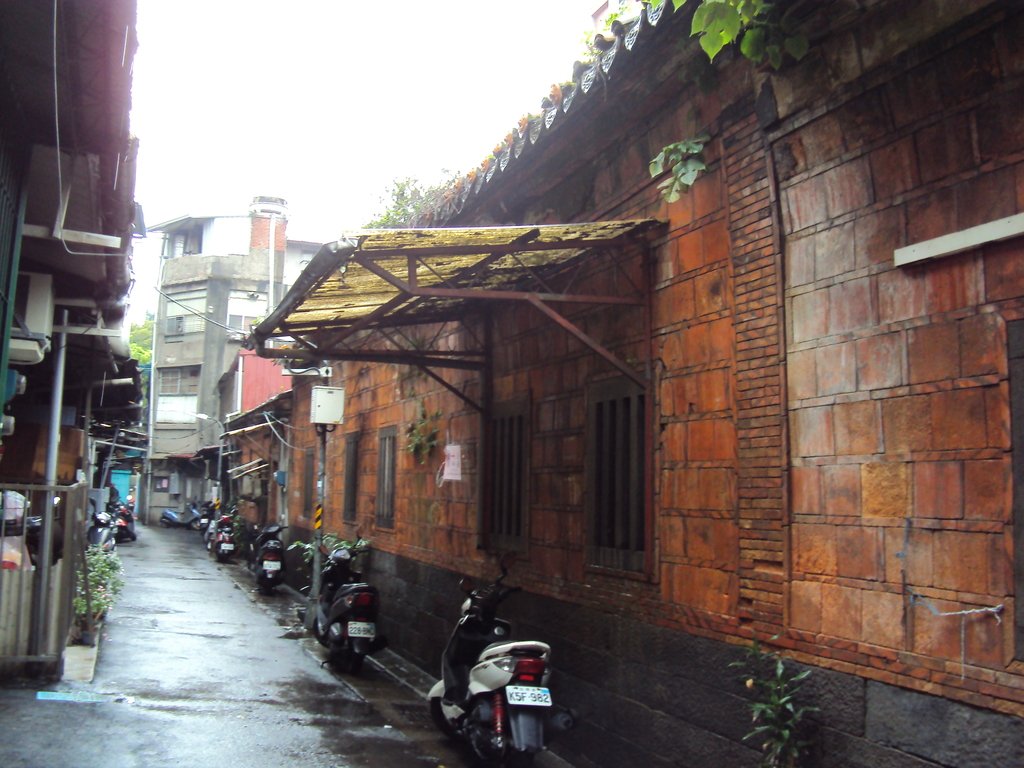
x=220, y=446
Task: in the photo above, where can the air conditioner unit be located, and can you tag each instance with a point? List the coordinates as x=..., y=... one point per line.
x=33, y=318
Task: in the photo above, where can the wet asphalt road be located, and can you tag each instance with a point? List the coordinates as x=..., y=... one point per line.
x=195, y=669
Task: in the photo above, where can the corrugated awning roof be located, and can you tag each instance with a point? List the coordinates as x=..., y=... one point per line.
x=357, y=292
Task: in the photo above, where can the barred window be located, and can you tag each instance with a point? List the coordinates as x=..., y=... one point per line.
x=386, y=477
x=510, y=471
x=616, y=510
x=351, y=477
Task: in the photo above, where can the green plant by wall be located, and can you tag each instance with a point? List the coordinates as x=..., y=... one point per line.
x=421, y=434
x=332, y=541
x=104, y=584
x=779, y=720
x=685, y=160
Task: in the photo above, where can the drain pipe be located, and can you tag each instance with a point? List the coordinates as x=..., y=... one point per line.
x=41, y=590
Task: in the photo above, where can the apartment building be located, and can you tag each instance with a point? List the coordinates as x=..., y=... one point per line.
x=218, y=276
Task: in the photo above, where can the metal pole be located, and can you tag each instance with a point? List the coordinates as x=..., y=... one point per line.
x=220, y=461
x=318, y=530
x=40, y=594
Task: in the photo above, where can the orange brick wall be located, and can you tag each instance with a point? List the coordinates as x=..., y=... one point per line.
x=897, y=377
x=831, y=460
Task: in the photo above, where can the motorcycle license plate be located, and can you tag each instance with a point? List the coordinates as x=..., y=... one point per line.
x=362, y=629
x=528, y=696
x=227, y=547
x=271, y=565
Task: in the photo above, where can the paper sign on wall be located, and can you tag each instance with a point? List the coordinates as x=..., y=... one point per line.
x=452, y=462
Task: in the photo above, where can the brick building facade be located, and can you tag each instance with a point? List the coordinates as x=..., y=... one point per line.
x=828, y=448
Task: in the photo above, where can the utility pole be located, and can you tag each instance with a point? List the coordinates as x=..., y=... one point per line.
x=326, y=411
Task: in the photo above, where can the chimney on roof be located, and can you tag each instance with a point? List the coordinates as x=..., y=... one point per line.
x=268, y=237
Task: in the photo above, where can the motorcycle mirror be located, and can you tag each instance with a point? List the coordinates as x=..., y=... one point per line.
x=466, y=585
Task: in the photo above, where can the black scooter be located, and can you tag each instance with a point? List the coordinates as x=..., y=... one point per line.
x=346, y=611
x=269, y=558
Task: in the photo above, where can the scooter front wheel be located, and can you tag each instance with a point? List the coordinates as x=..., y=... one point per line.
x=437, y=714
x=318, y=632
x=194, y=525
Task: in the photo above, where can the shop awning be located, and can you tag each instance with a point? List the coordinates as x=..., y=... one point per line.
x=363, y=296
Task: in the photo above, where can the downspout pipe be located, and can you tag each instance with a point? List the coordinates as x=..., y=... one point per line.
x=41, y=591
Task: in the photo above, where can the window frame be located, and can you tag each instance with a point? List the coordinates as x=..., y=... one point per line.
x=351, y=479
x=1015, y=369
x=387, y=454
x=509, y=463
x=613, y=510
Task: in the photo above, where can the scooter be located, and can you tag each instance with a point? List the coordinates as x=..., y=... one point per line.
x=346, y=611
x=269, y=558
x=493, y=691
x=172, y=518
x=222, y=542
x=209, y=513
x=101, y=532
x=124, y=522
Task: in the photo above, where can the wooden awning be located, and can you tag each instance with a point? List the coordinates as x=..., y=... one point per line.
x=359, y=296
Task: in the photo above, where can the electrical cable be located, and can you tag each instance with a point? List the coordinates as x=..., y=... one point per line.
x=278, y=436
x=199, y=314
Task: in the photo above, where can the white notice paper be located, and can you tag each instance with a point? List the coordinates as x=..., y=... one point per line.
x=452, y=462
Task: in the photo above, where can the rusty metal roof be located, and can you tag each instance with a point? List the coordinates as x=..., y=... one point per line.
x=358, y=289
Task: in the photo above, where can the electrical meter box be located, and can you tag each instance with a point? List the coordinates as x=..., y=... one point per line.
x=327, y=405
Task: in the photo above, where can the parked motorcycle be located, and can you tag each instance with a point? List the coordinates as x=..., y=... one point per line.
x=268, y=561
x=102, y=530
x=222, y=543
x=124, y=522
x=209, y=513
x=493, y=691
x=172, y=518
x=346, y=611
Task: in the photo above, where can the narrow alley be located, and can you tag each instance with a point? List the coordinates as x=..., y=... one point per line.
x=194, y=668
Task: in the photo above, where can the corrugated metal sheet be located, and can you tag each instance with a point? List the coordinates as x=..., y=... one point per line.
x=379, y=279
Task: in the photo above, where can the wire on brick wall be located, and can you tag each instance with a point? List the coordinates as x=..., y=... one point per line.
x=919, y=599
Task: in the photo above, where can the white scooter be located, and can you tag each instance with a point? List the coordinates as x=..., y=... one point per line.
x=493, y=691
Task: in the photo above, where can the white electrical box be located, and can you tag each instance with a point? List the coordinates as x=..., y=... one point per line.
x=327, y=405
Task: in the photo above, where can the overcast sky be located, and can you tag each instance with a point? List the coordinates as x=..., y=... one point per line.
x=326, y=102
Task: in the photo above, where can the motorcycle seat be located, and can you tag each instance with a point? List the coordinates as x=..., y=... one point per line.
x=516, y=648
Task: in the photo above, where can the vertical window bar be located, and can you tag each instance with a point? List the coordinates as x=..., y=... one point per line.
x=351, y=476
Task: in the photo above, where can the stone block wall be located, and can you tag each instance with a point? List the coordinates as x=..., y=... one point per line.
x=899, y=407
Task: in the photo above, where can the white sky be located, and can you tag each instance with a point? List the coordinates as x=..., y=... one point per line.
x=326, y=102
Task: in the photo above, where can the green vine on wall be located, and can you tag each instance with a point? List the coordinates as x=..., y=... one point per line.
x=766, y=32
x=421, y=434
x=685, y=160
